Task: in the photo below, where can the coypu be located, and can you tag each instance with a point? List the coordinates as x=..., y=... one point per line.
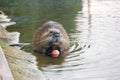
x=50, y=36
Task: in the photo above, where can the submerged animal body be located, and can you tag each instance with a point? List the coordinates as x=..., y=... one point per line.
x=50, y=36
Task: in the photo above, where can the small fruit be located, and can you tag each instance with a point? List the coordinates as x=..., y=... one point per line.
x=55, y=53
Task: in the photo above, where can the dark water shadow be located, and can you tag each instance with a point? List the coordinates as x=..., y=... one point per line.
x=43, y=60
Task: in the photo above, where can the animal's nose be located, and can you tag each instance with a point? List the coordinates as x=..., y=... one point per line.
x=56, y=35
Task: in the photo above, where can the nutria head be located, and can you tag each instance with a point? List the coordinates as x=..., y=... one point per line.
x=51, y=36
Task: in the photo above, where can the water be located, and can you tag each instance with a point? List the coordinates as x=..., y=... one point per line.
x=93, y=27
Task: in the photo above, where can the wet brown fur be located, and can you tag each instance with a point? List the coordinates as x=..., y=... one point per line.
x=43, y=32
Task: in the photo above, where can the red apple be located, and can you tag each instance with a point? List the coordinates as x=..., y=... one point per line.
x=55, y=53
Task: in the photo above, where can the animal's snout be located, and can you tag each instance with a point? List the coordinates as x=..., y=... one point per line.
x=56, y=35
x=56, y=38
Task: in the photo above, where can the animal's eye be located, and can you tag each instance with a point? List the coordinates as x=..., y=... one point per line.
x=51, y=31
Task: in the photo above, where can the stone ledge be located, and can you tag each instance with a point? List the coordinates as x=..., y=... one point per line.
x=23, y=65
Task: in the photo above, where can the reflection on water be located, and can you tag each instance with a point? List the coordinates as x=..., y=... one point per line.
x=94, y=30
x=29, y=15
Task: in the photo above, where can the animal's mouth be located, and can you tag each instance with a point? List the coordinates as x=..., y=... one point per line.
x=52, y=48
x=55, y=42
